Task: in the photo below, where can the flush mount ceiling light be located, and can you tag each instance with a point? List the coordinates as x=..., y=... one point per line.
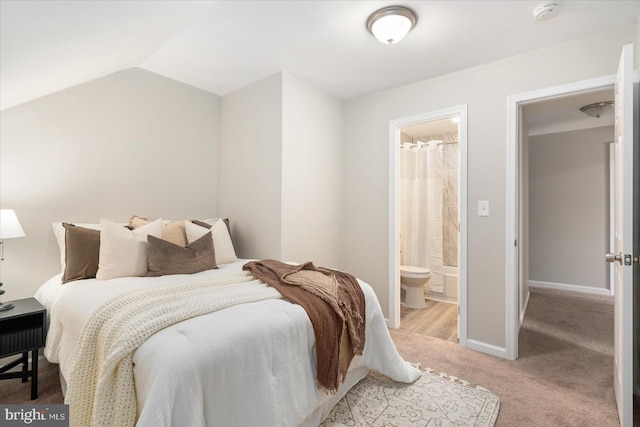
x=597, y=109
x=391, y=24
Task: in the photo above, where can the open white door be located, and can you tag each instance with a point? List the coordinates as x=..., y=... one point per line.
x=623, y=255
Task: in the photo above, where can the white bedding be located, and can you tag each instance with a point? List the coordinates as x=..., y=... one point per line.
x=247, y=365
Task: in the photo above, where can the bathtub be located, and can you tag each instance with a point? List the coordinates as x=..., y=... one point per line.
x=449, y=284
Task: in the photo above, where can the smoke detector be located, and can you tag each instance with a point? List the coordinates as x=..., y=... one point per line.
x=545, y=11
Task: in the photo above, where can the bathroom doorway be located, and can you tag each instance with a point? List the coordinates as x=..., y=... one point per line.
x=429, y=233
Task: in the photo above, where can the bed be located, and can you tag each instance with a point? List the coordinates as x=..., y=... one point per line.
x=246, y=365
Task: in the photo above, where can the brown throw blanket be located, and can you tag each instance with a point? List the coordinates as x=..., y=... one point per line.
x=335, y=305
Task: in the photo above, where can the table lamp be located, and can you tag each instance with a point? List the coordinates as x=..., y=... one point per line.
x=9, y=228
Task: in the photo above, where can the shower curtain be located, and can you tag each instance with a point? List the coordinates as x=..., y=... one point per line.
x=421, y=228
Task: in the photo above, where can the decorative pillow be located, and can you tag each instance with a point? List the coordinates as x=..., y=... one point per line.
x=82, y=250
x=123, y=253
x=208, y=223
x=60, y=233
x=173, y=232
x=168, y=258
x=225, y=253
x=136, y=221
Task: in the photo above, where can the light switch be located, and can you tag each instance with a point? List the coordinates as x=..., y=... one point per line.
x=483, y=208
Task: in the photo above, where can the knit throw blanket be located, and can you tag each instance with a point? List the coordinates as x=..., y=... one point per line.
x=101, y=387
x=335, y=305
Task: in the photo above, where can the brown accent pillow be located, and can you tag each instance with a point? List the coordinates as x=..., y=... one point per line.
x=168, y=258
x=82, y=250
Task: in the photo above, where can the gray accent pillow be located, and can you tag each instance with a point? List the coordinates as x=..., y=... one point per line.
x=166, y=258
x=82, y=251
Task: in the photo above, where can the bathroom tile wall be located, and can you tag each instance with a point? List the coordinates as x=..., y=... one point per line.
x=450, y=224
x=450, y=173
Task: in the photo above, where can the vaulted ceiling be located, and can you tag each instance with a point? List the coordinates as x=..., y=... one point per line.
x=221, y=46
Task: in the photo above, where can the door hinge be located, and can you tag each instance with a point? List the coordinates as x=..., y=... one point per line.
x=515, y=243
x=629, y=260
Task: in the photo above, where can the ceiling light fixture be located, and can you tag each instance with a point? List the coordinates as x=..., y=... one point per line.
x=391, y=24
x=597, y=109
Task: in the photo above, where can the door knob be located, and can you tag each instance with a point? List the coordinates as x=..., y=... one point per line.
x=613, y=258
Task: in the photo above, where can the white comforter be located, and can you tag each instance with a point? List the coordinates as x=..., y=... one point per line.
x=247, y=365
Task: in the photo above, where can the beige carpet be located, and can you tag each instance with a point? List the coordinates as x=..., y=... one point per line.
x=433, y=400
x=563, y=377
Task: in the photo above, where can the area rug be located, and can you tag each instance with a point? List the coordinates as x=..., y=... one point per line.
x=433, y=400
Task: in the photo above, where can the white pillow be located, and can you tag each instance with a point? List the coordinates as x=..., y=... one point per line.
x=222, y=244
x=59, y=232
x=123, y=252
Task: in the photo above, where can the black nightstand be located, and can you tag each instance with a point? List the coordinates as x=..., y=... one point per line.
x=23, y=329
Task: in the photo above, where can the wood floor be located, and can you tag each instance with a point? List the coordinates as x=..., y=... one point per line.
x=438, y=320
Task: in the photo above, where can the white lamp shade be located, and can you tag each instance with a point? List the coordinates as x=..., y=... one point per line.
x=391, y=28
x=9, y=225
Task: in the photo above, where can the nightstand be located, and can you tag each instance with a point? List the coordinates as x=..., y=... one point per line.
x=23, y=329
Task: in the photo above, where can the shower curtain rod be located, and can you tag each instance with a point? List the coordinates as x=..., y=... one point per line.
x=425, y=143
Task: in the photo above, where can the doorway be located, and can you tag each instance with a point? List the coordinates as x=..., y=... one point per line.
x=432, y=137
x=516, y=267
x=565, y=194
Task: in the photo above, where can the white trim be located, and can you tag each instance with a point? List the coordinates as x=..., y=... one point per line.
x=440, y=299
x=612, y=231
x=524, y=309
x=512, y=318
x=569, y=287
x=394, y=244
x=482, y=347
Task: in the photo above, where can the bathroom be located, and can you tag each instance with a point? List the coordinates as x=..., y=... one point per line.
x=429, y=227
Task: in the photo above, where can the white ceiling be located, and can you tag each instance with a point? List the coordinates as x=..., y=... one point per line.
x=563, y=114
x=221, y=46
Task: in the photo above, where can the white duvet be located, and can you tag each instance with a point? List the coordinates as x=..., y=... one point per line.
x=247, y=365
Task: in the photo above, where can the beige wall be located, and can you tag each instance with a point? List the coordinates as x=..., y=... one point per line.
x=281, y=173
x=485, y=90
x=312, y=127
x=250, y=172
x=569, y=207
x=131, y=142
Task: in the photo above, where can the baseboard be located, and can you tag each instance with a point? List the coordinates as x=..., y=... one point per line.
x=446, y=301
x=490, y=349
x=524, y=309
x=566, y=287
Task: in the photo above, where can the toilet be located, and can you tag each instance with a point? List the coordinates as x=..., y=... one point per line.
x=412, y=280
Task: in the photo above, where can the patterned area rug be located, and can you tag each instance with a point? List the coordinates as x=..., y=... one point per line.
x=433, y=400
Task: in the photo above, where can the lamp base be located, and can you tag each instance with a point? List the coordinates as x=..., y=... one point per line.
x=5, y=307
